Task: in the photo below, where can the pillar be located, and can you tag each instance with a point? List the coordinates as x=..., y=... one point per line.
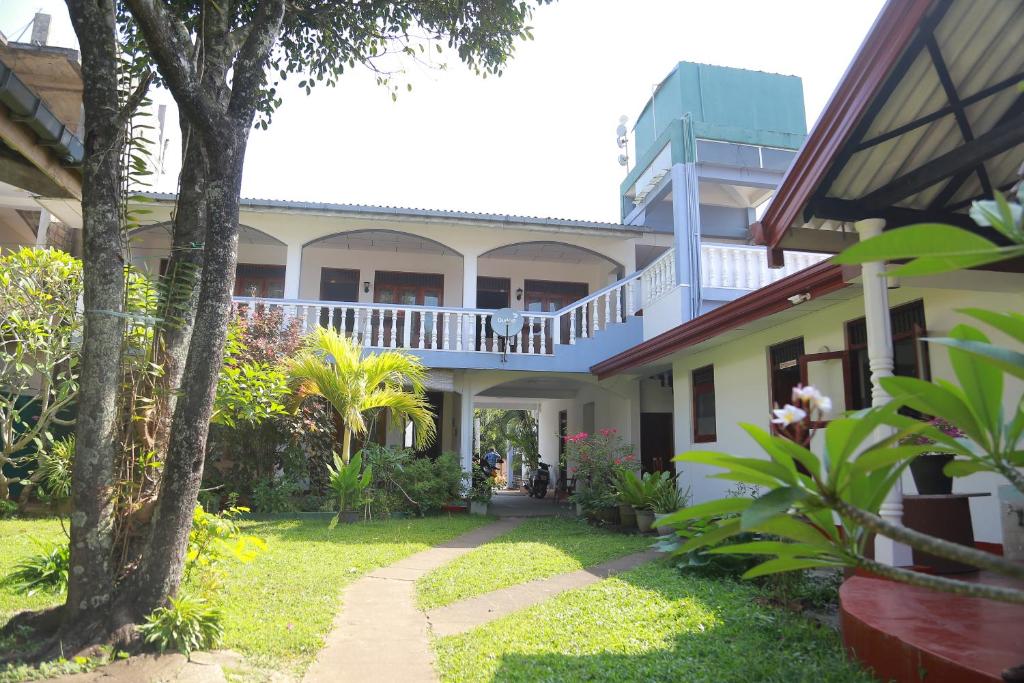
x=469, y=274
x=466, y=429
x=42, y=228
x=880, y=360
x=292, y=270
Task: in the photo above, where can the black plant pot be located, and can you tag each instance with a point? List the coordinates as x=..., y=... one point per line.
x=928, y=475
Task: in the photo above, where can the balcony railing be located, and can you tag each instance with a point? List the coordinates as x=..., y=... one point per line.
x=439, y=328
x=746, y=268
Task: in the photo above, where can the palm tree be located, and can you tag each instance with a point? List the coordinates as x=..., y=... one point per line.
x=333, y=367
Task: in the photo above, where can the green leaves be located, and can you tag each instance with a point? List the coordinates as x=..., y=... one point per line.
x=770, y=505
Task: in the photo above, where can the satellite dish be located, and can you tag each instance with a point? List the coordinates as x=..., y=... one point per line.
x=623, y=119
x=621, y=130
x=623, y=160
x=507, y=322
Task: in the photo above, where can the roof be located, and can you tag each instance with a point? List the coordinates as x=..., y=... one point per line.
x=53, y=73
x=818, y=281
x=406, y=212
x=927, y=118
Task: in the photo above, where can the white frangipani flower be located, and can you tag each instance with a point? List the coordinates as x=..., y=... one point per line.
x=813, y=398
x=788, y=415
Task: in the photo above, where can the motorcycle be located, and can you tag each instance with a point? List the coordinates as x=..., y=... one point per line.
x=537, y=484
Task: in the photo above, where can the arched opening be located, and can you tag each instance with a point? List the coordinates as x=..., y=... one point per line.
x=261, y=258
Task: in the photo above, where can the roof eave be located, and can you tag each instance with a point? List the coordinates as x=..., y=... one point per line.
x=882, y=47
x=818, y=280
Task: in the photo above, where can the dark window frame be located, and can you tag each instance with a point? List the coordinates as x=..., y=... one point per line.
x=699, y=389
x=912, y=312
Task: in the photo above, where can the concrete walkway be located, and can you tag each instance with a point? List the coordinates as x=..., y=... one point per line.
x=379, y=635
x=518, y=504
x=466, y=614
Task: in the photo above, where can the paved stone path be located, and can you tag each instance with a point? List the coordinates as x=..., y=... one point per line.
x=379, y=635
x=466, y=614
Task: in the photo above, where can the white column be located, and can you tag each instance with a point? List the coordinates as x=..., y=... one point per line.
x=42, y=228
x=292, y=271
x=469, y=274
x=466, y=429
x=686, y=223
x=880, y=360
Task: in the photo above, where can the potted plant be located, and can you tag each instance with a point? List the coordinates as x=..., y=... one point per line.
x=629, y=495
x=598, y=459
x=927, y=468
x=667, y=499
x=480, y=492
x=349, y=483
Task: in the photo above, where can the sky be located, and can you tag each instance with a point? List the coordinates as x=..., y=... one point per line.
x=540, y=140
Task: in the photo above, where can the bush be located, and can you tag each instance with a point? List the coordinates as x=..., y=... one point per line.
x=47, y=570
x=8, y=508
x=432, y=484
x=276, y=496
x=189, y=623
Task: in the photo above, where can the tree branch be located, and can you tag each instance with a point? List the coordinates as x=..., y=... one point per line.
x=250, y=65
x=171, y=45
x=134, y=100
x=941, y=583
x=929, y=544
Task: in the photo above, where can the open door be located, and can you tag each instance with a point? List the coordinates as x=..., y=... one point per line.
x=828, y=372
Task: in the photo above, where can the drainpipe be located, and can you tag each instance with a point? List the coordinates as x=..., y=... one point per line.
x=880, y=360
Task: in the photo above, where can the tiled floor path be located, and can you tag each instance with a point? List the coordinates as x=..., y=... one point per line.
x=380, y=635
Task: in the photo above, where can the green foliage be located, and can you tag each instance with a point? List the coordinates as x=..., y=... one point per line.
x=216, y=538
x=39, y=327
x=349, y=482
x=250, y=393
x=55, y=467
x=46, y=571
x=596, y=461
x=668, y=497
x=187, y=624
x=510, y=429
x=275, y=495
x=857, y=470
x=433, y=484
x=640, y=491
x=8, y=508
x=334, y=368
x=482, y=488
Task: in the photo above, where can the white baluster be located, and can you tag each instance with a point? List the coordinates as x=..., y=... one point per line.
x=710, y=277
x=583, y=320
x=572, y=326
x=529, y=334
x=595, y=317
x=544, y=334
x=433, y=330
x=460, y=331
x=628, y=293
x=445, y=338
x=607, y=309
x=619, y=293
x=407, y=329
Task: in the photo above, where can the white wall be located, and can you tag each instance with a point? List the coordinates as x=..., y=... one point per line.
x=742, y=384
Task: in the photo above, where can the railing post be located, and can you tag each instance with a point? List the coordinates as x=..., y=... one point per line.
x=445, y=340
x=572, y=326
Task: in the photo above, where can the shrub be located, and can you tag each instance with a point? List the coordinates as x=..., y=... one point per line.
x=597, y=459
x=8, y=508
x=56, y=468
x=276, y=496
x=349, y=483
x=187, y=624
x=482, y=488
x=47, y=570
x=433, y=484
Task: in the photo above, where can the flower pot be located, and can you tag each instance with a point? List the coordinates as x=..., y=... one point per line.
x=928, y=475
x=644, y=520
x=627, y=516
x=477, y=508
x=1011, y=514
x=662, y=530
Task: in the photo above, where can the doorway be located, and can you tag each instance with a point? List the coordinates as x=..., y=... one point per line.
x=548, y=296
x=657, y=442
x=411, y=289
x=259, y=280
x=784, y=368
x=338, y=284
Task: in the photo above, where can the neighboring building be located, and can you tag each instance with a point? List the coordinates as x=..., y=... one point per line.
x=40, y=149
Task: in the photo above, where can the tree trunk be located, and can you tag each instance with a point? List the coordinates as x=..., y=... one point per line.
x=187, y=239
x=90, y=581
x=160, y=575
x=346, y=445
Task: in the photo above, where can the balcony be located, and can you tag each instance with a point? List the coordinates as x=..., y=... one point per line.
x=582, y=333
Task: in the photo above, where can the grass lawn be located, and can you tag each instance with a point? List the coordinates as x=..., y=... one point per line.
x=15, y=544
x=536, y=549
x=278, y=607
x=649, y=624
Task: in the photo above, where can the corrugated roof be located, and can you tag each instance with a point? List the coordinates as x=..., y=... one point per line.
x=407, y=212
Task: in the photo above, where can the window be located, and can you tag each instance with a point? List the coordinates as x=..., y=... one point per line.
x=784, y=365
x=703, y=384
x=909, y=356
